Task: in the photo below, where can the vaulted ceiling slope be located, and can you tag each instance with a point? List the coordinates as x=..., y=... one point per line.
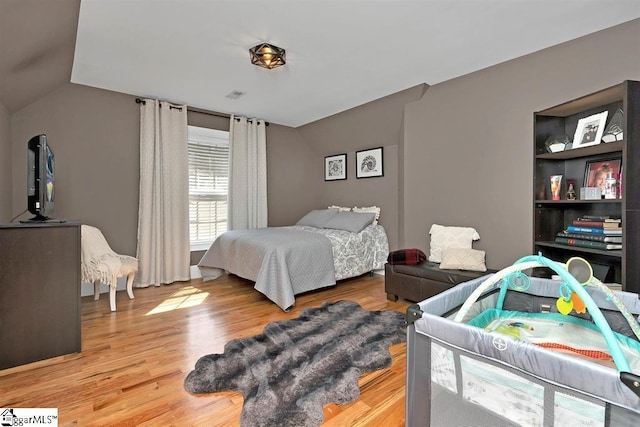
x=37, y=42
x=340, y=54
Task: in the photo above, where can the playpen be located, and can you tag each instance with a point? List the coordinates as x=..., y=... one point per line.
x=512, y=350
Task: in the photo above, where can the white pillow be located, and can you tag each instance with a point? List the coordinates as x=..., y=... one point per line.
x=463, y=259
x=449, y=237
x=340, y=208
x=370, y=209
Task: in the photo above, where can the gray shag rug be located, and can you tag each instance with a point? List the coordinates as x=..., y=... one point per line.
x=290, y=371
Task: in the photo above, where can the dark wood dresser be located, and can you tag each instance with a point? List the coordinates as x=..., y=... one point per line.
x=39, y=291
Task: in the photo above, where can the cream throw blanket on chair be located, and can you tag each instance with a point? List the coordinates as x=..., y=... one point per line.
x=100, y=264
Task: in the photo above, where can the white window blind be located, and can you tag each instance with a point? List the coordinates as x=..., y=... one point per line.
x=208, y=184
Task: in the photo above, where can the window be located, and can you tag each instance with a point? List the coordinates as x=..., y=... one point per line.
x=208, y=184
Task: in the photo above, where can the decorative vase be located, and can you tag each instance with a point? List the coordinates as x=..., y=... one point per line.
x=556, y=180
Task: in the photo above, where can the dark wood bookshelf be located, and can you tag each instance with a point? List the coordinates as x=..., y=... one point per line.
x=575, y=153
x=612, y=253
x=578, y=202
x=553, y=216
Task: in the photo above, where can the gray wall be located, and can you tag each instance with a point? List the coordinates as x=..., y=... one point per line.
x=375, y=124
x=94, y=135
x=5, y=164
x=468, y=149
x=294, y=176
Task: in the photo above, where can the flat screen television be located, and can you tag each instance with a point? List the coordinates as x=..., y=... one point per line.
x=40, y=178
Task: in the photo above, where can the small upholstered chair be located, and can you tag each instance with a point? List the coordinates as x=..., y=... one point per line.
x=100, y=264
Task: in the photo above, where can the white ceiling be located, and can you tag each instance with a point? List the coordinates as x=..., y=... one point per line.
x=340, y=54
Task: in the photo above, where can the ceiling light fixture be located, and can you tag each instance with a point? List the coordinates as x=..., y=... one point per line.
x=267, y=56
x=235, y=94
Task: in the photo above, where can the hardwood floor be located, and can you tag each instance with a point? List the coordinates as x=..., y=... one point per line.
x=134, y=361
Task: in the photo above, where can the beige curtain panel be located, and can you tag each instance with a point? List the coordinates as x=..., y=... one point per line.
x=163, y=216
x=247, y=206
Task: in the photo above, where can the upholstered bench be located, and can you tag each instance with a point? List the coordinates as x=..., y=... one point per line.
x=421, y=281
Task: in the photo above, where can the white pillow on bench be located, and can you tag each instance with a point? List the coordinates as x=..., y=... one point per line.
x=463, y=259
x=443, y=237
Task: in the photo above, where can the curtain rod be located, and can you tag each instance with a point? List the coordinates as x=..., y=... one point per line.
x=209, y=113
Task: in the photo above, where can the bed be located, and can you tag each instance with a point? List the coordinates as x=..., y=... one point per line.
x=323, y=247
x=464, y=368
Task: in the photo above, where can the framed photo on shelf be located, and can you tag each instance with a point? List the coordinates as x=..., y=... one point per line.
x=595, y=172
x=335, y=167
x=590, y=130
x=369, y=163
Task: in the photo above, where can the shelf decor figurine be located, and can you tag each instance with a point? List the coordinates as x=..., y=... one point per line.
x=613, y=132
x=557, y=143
x=611, y=186
x=571, y=192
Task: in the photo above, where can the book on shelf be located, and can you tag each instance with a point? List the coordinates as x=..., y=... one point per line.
x=588, y=244
x=595, y=224
x=592, y=237
x=602, y=218
x=592, y=230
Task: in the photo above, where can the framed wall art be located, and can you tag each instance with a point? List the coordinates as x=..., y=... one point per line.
x=596, y=172
x=590, y=130
x=369, y=163
x=335, y=167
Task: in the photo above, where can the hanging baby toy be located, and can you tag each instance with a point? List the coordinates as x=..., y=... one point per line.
x=569, y=300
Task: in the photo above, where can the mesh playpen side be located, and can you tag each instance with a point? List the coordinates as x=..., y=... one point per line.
x=463, y=375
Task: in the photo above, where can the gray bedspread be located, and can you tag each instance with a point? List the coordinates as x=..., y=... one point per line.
x=281, y=261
